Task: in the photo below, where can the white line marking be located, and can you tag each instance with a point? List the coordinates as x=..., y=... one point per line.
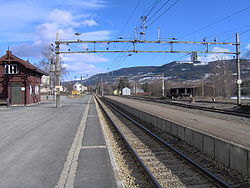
x=93, y=147
x=119, y=183
x=68, y=173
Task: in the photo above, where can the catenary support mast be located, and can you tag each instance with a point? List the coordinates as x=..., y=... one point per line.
x=238, y=69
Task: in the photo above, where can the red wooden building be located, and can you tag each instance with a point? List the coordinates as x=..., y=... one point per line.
x=19, y=80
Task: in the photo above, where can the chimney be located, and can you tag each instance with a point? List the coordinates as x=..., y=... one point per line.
x=8, y=53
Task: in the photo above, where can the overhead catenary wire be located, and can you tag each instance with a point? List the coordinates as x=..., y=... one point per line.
x=152, y=8
x=126, y=24
x=159, y=10
x=231, y=31
x=163, y=13
x=242, y=32
x=216, y=22
x=121, y=58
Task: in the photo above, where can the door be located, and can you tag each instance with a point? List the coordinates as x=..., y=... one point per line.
x=15, y=93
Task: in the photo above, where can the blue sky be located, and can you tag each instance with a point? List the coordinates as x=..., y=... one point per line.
x=29, y=26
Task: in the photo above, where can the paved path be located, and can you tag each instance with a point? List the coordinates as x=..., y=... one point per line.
x=230, y=131
x=35, y=143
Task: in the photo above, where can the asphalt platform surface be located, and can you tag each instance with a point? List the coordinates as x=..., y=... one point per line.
x=37, y=142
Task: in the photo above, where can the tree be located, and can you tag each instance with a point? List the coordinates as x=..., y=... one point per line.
x=48, y=57
x=222, y=79
x=145, y=87
x=247, y=55
x=156, y=88
x=123, y=82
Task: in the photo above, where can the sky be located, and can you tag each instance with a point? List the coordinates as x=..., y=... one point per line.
x=28, y=27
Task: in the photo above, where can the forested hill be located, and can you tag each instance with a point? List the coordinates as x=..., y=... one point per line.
x=176, y=71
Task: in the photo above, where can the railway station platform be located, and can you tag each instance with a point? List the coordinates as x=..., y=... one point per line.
x=237, y=133
x=94, y=165
x=225, y=141
x=43, y=146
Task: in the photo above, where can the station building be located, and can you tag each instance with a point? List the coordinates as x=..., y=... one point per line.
x=19, y=80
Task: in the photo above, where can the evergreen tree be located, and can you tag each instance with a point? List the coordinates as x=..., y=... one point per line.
x=123, y=82
x=145, y=87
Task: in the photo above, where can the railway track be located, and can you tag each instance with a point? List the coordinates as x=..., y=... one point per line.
x=190, y=106
x=164, y=165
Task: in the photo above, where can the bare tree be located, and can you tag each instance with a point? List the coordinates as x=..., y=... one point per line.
x=49, y=58
x=156, y=88
x=222, y=79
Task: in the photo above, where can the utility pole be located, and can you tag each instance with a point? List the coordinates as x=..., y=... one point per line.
x=135, y=88
x=143, y=27
x=202, y=87
x=239, y=81
x=159, y=33
x=52, y=76
x=101, y=88
x=163, y=85
x=57, y=72
x=81, y=85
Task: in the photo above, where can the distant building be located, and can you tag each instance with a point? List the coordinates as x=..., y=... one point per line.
x=137, y=90
x=194, y=58
x=116, y=92
x=19, y=80
x=79, y=87
x=45, y=85
x=192, y=90
x=126, y=91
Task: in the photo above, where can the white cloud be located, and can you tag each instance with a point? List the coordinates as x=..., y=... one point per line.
x=215, y=56
x=248, y=47
x=63, y=22
x=83, y=63
x=83, y=4
x=19, y=15
x=89, y=23
x=37, y=22
x=86, y=58
x=62, y=18
x=96, y=35
x=219, y=49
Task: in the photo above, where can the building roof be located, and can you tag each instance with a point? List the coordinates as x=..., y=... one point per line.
x=185, y=86
x=10, y=57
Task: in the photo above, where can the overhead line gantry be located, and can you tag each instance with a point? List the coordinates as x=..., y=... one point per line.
x=96, y=49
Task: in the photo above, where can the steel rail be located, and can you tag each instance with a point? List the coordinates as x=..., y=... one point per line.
x=136, y=156
x=201, y=169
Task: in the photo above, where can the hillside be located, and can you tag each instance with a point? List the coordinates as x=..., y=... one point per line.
x=175, y=71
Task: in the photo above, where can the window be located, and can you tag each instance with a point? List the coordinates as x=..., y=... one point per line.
x=10, y=69
x=36, y=90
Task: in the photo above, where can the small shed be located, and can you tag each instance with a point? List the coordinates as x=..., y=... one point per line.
x=126, y=91
x=19, y=80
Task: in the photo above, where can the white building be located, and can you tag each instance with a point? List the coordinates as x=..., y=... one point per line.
x=126, y=91
x=45, y=84
x=79, y=87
